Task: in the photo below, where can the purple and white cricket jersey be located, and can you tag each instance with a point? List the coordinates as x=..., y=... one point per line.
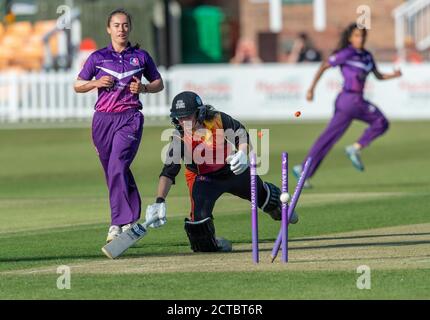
x=350, y=105
x=118, y=124
x=122, y=67
x=355, y=66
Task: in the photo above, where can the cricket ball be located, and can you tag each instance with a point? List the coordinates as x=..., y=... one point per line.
x=284, y=197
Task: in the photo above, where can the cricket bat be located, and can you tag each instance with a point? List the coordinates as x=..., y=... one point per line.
x=126, y=239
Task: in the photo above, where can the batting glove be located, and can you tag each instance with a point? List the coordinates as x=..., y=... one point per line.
x=156, y=210
x=238, y=162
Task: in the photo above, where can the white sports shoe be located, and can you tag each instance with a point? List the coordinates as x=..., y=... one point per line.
x=125, y=227
x=354, y=155
x=114, y=231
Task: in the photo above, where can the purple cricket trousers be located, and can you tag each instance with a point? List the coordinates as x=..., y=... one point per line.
x=348, y=107
x=116, y=136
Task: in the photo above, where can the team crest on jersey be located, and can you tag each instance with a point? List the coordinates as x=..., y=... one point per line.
x=134, y=62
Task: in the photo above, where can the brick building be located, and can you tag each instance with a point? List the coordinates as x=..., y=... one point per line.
x=250, y=19
x=254, y=19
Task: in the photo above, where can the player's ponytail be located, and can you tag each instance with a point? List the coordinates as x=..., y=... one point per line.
x=206, y=113
x=346, y=34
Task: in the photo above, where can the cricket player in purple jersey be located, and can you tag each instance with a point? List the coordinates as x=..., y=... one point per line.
x=355, y=63
x=117, y=123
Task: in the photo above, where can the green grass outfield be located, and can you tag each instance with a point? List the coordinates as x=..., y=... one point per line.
x=54, y=211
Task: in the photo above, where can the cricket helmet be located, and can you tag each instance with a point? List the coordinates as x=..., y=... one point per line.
x=185, y=104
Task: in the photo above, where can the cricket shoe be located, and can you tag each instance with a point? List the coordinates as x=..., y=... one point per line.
x=297, y=172
x=125, y=227
x=224, y=245
x=354, y=155
x=114, y=231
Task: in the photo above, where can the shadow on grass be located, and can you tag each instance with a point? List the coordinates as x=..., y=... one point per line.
x=50, y=258
x=350, y=245
x=325, y=246
x=361, y=236
x=268, y=240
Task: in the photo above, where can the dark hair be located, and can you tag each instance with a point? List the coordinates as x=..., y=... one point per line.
x=303, y=35
x=346, y=34
x=210, y=112
x=129, y=19
x=308, y=44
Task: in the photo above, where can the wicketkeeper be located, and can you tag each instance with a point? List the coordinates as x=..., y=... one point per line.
x=214, y=148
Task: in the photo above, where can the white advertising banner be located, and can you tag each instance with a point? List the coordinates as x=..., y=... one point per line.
x=277, y=91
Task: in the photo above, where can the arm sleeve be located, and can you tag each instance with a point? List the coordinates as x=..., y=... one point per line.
x=150, y=73
x=372, y=60
x=172, y=164
x=240, y=136
x=89, y=69
x=340, y=57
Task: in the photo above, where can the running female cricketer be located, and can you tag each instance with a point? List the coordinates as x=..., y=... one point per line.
x=214, y=148
x=355, y=63
x=117, y=122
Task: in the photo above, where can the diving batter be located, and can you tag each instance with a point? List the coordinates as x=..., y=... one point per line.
x=216, y=162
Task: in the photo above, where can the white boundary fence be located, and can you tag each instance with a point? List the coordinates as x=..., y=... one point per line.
x=49, y=96
x=259, y=92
